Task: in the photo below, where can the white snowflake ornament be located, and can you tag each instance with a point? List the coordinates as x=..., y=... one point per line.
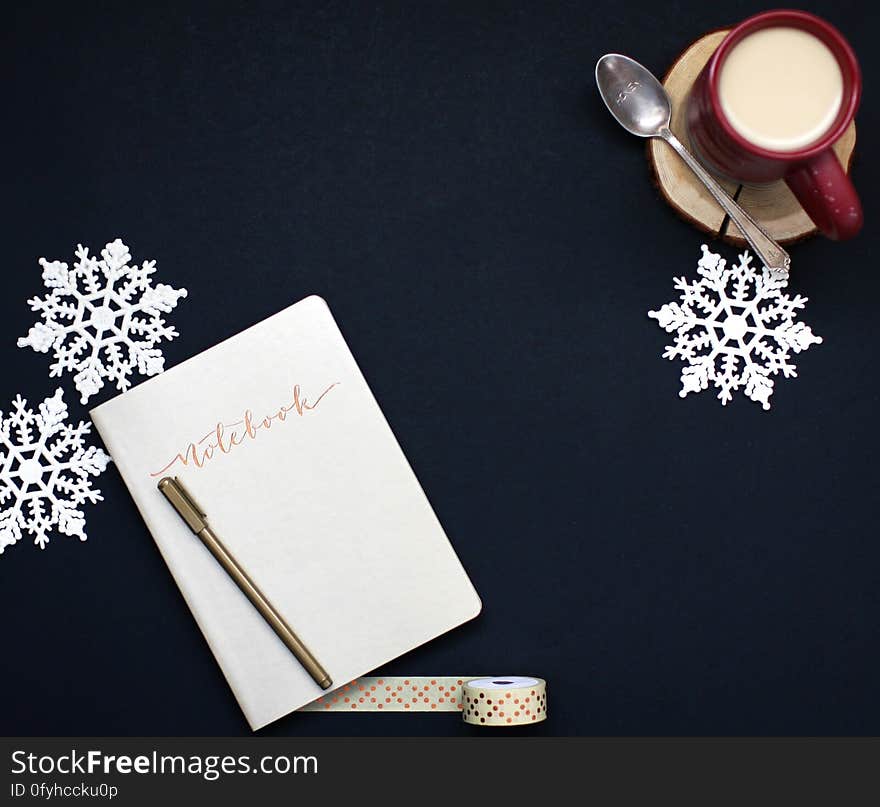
x=45, y=470
x=735, y=328
x=102, y=319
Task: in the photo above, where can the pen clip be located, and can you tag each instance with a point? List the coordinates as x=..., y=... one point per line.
x=181, y=500
x=187, y=497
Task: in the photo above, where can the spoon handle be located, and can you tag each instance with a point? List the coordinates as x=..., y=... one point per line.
x=773, y=255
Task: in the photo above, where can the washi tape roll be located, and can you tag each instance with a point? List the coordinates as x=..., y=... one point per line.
x=511, y=700
x=505, y=701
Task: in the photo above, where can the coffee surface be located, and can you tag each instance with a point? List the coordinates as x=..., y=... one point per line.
x=781, y=88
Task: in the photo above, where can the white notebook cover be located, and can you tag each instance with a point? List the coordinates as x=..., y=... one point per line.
x=306, y=485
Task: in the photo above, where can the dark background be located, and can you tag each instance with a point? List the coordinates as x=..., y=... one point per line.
x=490, y=242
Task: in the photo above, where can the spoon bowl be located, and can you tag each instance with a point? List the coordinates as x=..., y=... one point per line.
x=633, y=95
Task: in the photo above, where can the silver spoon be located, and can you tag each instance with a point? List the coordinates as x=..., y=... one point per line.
x=640, y=104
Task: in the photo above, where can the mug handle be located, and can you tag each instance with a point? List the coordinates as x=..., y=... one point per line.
x=827, y=195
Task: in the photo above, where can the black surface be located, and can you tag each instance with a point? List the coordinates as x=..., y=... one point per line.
x=489, y=241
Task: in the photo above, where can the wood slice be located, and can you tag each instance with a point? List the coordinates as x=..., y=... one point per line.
x=774, y=205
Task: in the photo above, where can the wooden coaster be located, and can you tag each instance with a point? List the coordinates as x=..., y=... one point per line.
x=774, y=206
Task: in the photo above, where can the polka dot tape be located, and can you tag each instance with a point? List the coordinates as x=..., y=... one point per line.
x=501, y=701
x=504, y=701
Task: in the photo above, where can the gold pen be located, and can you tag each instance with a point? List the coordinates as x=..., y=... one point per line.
x=195, y=519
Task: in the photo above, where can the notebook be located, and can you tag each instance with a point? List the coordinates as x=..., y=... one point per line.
x=277, y=436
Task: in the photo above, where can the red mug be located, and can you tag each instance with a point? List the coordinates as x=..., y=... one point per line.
x=813, y=173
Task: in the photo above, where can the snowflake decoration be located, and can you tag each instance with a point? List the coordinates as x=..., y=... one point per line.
x=44, y=472
x=734, y=327
x=102, y=318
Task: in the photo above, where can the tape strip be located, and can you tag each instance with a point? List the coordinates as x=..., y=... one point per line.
x=511, y=700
